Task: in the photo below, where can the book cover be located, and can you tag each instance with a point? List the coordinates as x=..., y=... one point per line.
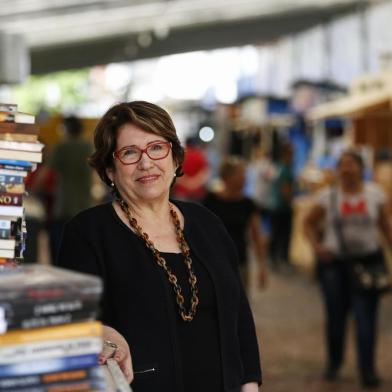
x=21, y=146
x=49, y=365
x=10, y=199
x=21, y=155
x=50, y=349
x=42, y=281
x=70, y=331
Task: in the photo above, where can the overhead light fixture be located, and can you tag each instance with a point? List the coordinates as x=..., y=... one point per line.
x=144, y=39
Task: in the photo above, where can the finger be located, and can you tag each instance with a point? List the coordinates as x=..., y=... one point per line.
x=124, y=361
x=106, y=353
x=126, y=367
x=119, y=355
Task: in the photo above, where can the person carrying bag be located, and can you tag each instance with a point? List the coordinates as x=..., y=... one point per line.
x=351, y=265
x=368, y=272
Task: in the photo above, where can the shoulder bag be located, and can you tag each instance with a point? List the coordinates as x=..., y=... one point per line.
x=368, y=272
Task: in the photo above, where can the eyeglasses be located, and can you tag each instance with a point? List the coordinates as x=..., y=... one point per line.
x=132, y=154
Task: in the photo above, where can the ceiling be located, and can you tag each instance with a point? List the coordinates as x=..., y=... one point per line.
x=63, y=34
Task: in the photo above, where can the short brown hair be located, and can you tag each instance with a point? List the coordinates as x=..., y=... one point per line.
x=353, y=154
x=229, y=165
x=149, y=117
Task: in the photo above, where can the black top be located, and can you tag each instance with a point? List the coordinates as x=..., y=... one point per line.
x=199, y=338
x=139, y=304
x=235, y=215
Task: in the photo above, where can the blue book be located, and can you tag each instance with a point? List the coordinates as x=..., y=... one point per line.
x=49, y=365
x=14, y=162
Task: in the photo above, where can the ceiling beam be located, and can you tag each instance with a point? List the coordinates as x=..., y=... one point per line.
x=199, y=37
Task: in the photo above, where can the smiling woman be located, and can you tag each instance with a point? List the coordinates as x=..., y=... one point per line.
x=172, y=289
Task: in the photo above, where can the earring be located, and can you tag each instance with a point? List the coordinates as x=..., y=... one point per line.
x=112, y=184
x=174, y=175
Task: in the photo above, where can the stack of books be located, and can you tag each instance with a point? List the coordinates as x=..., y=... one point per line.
x=49, y=339
x=20, y=152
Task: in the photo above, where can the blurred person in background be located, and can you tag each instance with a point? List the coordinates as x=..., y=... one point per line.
x=282, y=189
x=172, y=293
x=192, y=185
x=261, y=174
x=74, y=179
x=240, y=216
x=360, y=211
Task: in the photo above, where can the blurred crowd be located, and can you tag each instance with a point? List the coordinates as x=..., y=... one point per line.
x=254, y=198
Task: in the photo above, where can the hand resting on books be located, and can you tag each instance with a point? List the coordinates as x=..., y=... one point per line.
x=121, y=354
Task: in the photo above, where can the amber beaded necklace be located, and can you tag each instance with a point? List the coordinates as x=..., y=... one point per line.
x=186, y=315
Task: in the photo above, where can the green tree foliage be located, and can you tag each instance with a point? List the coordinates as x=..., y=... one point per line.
x=53, y=92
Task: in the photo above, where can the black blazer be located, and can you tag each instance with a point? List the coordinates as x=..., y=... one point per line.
x=96, y=241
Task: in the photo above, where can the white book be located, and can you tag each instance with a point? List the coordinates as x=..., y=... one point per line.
x=17, y=117
x=8, y=107
x=7, y=253
x=21, y=155
x=46, y=349
x=5, y=224
x=7, y=244
x=11, y=211
x=21, y=146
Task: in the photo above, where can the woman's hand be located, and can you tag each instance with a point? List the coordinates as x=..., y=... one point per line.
x=250, y=387
x=121, y=354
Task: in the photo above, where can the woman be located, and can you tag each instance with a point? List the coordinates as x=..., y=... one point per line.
x=353, y=213
x=171, y=292
x=240, y=215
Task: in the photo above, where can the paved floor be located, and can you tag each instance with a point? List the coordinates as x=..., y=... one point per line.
x=288, y=316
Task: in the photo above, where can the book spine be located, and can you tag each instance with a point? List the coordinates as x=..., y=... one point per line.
x=7, y=253
x=18, y=137
x=50, y=292
x=16, y=164
x=12, y=188
x=11, y=179
x=25, y=323
x=74, y=330
x=21, y=146
x=8, y=107
x=36, y=380
x=5, y=233
x=10, y=199
x=50, y=349
x=42, y=307
x=29, y=129
x=25, y=155
x=49, y=365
